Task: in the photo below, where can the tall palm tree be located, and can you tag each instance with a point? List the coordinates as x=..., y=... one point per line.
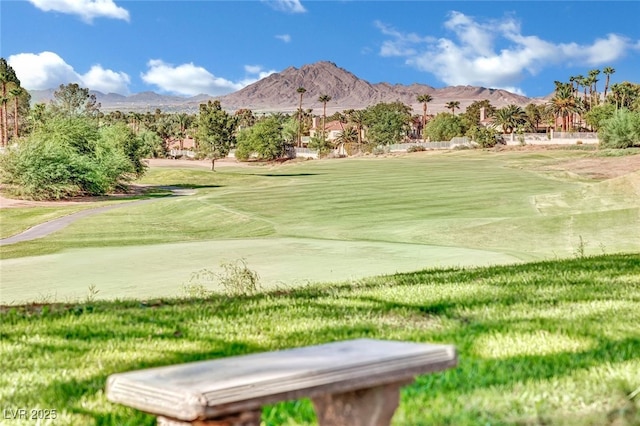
x=357, y=117
x=563, y=104
x=453, y=105
x=608, y=71
x=181, y=123
x=510, y=118
x=424, y=100
x=594, y=73
x=7, y=77
x=301, y=90
x=324, y=99
x=581, y=81
x=16, y=92
x=348, y=135
x=574, y=79
x=136, y=118
x=593, y=89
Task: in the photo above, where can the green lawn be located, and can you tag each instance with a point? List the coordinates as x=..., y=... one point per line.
x=547, y=343
x=550, y=339
x=331, y=220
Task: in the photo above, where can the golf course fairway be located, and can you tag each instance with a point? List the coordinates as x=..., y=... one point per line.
x=335, y=220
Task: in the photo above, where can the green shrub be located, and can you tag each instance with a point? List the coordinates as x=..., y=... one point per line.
x=152, y=145
x=235, y=278
x=380, y=150
x=68, y=157
x=320, y=144
x=622, y=130
x=416, y=148
x=264, y=140
x=445, y=126
x=41, y=169
x=485, y=137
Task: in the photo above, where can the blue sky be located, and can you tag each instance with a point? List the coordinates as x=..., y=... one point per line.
x=216, y=47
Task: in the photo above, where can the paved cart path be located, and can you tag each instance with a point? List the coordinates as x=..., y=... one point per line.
x=47, y=228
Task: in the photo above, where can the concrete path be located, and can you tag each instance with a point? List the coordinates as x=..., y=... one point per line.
x=47, y=228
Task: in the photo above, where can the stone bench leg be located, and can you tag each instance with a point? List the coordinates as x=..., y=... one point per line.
x=248, y=418
x=365, y=407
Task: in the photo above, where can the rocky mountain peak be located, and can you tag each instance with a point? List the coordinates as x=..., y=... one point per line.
x=278, y=92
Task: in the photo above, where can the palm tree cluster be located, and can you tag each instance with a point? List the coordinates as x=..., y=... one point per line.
x=571, y=102
x=11, y=92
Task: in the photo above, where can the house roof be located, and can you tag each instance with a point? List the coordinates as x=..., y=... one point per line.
x=329, y=125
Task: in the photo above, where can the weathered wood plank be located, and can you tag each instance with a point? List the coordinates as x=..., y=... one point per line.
x=210, y=389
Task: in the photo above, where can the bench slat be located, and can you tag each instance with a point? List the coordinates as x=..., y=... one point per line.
x=208, y=389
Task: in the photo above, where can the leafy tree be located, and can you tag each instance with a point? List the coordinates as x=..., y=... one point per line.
x=38, y=115
x=215, y=131
x=472, y=113
x=445, y=126
x=534, y=114
x=597, y=115
x=264, y=140
x=387, y=123
x=121, y=137
x=622, y=130
x=321, y=144
x=73, y=100
x=290, y=128
x=245, y=117
x=152, y=145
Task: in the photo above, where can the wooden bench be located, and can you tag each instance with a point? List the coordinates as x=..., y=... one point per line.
x=354, y=383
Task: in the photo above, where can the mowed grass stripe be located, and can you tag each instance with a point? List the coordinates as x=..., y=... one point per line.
x=484, y=201
x=552, y=343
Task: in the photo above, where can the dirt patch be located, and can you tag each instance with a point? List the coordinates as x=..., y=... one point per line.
x=201, y=164
x=134, y=190
x=600, y=168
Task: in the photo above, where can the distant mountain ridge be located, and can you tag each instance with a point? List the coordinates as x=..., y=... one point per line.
x=277, y=92
x=138, y=102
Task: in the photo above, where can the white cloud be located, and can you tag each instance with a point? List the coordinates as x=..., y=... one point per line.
x=253, y=69
x=289, y=6
x=106, y=81
x=47, y=70
x=472, y=55
x=256, y=73
x=400, y=44
x=87, y=10
x=190, y=80
x=284, y=37
x=186, y=79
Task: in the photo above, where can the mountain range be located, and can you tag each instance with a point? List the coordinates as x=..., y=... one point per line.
x=278, y=92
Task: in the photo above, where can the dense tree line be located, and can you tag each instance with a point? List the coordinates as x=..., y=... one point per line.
x=70, y=147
